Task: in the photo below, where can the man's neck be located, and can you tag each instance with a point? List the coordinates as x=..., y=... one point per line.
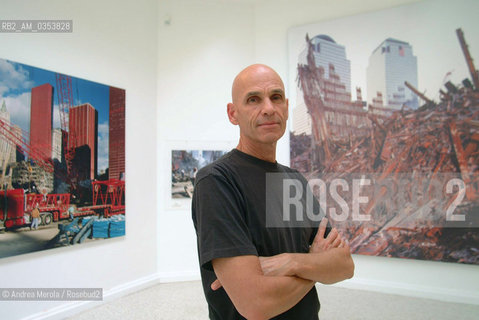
x=266, y=152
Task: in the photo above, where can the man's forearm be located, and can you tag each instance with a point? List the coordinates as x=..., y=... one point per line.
x=255, y=295
x=326, y=267
x=328, y=261
x=279, y=294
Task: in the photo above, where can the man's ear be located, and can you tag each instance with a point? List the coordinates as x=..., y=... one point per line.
x=287, y=109
x=231, y=110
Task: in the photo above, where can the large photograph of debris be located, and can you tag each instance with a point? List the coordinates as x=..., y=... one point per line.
x=385, y=126
x=62, y=160
x=184, y=167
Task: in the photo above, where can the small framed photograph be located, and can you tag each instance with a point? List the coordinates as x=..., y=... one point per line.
x=186, y=160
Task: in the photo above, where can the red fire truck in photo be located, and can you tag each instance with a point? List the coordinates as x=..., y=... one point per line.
x=16, y=205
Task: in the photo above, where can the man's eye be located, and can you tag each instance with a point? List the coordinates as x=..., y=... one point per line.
x=253, y=99
x=277, y=97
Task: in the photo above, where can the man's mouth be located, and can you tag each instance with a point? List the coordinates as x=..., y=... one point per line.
x=268, y=124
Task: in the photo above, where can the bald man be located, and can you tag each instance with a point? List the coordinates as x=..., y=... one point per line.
x=250, y=270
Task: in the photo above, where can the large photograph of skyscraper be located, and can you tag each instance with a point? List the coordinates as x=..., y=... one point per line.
x=62, y=160
x=384, y=111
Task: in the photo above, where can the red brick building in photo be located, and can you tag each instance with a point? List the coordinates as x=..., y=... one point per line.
x=83, y=136
x=41, y=119
x=116, y=152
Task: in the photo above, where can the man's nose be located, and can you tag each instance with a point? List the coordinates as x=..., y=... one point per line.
x=268, y=107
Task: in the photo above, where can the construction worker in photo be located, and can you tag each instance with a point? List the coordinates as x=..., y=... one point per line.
x=35, y=217
x=71, y=212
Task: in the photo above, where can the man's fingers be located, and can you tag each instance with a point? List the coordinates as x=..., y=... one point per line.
x=331, y=237
x=321, y=230
x=263, y=261
x=344, y=244
x=216, y=285
x=337, y=242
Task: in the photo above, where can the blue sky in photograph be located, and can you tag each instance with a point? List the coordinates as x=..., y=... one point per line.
x=16, y=82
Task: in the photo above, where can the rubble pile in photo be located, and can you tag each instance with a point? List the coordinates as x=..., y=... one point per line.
x=430, y=144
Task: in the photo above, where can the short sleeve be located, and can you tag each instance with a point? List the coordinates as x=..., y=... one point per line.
x=218, y=215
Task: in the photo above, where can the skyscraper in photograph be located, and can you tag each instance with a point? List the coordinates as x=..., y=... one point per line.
x=116, y=152
x=390, y=65
x=4, y=114
x=41, y=119
x=57, y=144
x=331, y=57
x=327, y=52
x=83, y=137
x=7, y=148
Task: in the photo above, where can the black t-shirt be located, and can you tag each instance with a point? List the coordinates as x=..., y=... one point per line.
x=229, y=215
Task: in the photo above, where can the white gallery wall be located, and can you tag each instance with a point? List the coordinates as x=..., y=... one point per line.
x=209, y=42
x=113, y=43
x=201, y=47
x=176, y=59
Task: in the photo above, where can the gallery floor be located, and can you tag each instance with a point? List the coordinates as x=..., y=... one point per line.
x=185, y=301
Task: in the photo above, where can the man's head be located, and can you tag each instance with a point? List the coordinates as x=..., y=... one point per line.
x=259, y=106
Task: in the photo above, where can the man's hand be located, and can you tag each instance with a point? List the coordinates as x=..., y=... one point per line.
x=216, y=285
x=333, y=240
x=284, y=264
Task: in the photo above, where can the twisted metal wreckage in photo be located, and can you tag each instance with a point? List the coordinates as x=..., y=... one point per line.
x=423, y=148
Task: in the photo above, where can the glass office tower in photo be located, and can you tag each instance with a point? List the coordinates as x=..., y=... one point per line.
x=390, y=65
